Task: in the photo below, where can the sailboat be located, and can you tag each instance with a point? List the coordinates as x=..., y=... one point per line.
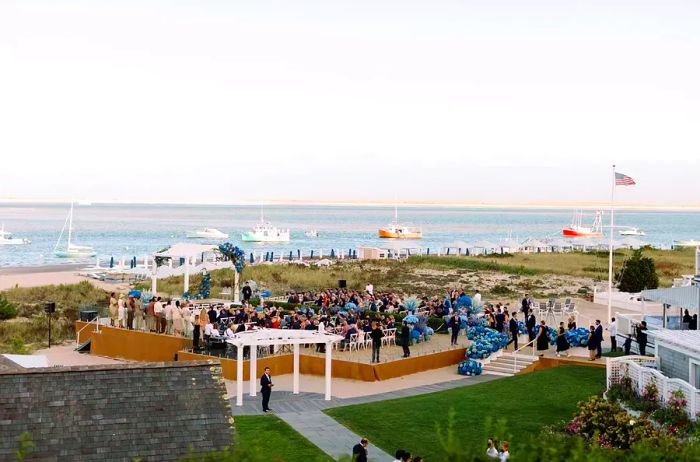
x=265, y=232
x=6, y=238
x=396, y=230
x=576, y=229
x=72, y=250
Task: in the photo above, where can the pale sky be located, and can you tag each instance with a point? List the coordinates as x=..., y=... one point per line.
x=228, y=101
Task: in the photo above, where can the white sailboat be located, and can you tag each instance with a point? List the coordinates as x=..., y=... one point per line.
x=72, y=250
x=6, y=238
x=265, y=232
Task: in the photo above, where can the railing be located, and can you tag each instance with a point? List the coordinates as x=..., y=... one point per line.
x=515, y=354
x=97, y=329
x=641, y=371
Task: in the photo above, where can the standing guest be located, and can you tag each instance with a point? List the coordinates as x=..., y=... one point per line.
x=505, y=453
x=398, y=456
x=500, y=320
x=591, y=344
x=213, y=316
x=491, y=450
x=168, y=315
x=140, y=324
x=151, y=315
x=406, y=340
x=247, y=293
x=113, y=309
x=455, y=325
x=572, y=323
x=130, y=309
x=158, y=310
x=513, y=328
x=178, y=326
x=693, y=322
x=612, y=330
x=686, y=320
x=187, y=318
x=203, y=320
x=195, y=333
x=642, y=337
x=359, y=451
x=543, y=338
x=525, y=306
x=376, y=336
x=121, y=311
x=476, y=300
x=562, y=343
x=266, y=389
x=599, y=338
x=530, y=324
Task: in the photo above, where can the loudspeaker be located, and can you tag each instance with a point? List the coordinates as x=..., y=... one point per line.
x=342, y=283
x=50, y=307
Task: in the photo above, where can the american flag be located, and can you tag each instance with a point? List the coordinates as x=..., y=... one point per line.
x=623, y=180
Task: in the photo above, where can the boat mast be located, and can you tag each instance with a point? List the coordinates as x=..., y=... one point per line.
x=262, y=216
x=70, y=224
x=396, y=212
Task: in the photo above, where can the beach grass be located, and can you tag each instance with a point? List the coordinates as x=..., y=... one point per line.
x=527, y=403
x=275, y=439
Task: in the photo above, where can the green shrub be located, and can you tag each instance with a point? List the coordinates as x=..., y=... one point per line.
x=638, y=273
x=8, y=310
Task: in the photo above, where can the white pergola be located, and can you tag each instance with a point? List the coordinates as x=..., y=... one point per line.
x=266, y=337
x=189, y=252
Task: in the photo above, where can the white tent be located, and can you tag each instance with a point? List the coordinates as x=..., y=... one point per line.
x=189, y=252
x=266, y=337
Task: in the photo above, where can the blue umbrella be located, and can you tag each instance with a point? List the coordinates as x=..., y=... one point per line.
x=411, y=319
x=111, y=262
x=135, y=293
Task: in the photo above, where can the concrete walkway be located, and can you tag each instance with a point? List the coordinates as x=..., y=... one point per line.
x=304, y=413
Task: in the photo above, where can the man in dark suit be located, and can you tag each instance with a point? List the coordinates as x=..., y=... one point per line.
x=598, y=334
x=513, y=327
x=266, y=389
x=359, y=451
x=455, y=324
x=530, y=324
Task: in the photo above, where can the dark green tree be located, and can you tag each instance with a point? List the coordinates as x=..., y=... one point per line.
x=7, y=309
x=638, y=273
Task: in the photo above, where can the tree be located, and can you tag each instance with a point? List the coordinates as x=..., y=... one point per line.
x=638, y=273
x=8, y=310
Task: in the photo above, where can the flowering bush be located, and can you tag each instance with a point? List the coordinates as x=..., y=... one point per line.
x=674, y=416
x=577, y=337
x=608, y=425
x=484, y=342
x=469, y=367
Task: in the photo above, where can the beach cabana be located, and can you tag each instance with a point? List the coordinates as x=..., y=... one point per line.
x=188, y=253
x=509, y=245
x=483, y=248
x=267, y=337
x=534, y=246
x=631, y=243
x=456, y=248
x=561, y=245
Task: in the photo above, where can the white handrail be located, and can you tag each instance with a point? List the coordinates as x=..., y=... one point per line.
x=97, y=329
x=515, y=356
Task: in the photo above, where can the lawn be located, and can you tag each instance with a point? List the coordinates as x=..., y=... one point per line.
x=527, y=402
x=275, y=440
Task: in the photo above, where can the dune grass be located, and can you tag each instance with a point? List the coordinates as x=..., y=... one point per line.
x=526, y=402
x=275, y=439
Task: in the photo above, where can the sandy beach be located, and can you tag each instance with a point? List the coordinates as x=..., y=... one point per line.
x=36, y=276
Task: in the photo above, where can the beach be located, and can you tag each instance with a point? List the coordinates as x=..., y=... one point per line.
x=37, y=276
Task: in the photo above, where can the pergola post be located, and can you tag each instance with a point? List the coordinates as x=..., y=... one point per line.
x=295, y=388
x=187, y=274
x=154, y=279
x=253, y=368
x=328, y=370
x=239, y=375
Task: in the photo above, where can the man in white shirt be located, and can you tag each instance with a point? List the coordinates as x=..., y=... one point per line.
x=476, y=300
x=168, y=312
x=370, y=289
x=160, y=321
x=612, y=329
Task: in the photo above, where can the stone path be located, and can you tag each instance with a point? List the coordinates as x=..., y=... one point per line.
x=304, y=412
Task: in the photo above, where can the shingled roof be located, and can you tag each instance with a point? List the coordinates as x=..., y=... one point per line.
x=149, y=411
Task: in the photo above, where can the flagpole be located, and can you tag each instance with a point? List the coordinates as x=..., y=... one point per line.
x=610, y=245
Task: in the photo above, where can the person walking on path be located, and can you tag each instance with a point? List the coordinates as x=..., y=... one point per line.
x=406, y=340
x=530, y=323
x=513, y=328
x=612, y=330
x=266, y=389
x=376, y=336
x=592, y=347
x=599, y=339
x=359, y=451
x=543, y=338
x=642, y=337
x=562, y=343
x=455, y=325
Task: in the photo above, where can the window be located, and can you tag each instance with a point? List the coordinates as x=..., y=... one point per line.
x=694, y=376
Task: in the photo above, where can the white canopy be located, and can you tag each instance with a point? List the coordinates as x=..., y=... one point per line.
x=256, y=337
x=185, y=250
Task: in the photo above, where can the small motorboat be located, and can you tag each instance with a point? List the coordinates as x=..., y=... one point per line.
x=207, y=233
x=396, y=230
x=6, y=238
x=311, y=233
x=632, y=232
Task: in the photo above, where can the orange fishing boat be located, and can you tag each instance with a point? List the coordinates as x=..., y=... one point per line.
x=399, y=231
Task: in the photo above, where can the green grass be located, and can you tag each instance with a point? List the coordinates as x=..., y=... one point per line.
x=527, y=403
x=275, y=439
x=471, y=264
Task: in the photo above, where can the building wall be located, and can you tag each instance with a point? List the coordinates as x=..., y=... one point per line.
x=674, y=364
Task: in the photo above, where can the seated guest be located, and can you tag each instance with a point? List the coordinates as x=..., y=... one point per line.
x=212, y=315
x=229, y=331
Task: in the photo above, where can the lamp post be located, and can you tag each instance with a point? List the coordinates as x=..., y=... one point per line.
x=49, y=308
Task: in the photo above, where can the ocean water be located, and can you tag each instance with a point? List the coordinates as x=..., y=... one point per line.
x=138, y=230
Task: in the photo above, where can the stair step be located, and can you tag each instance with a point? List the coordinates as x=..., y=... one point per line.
x=502, y=374
x=499, y=368
x=510, y=359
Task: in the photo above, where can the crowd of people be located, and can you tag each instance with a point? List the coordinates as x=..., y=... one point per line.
x=494, y=450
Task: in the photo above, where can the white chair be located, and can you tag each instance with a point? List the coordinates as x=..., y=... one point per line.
x=368, y=340
x=352, y=343
x=390, y=336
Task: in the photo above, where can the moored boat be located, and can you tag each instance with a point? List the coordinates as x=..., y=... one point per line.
x=265, y=232
x=632, y=232
x=72, y=250
x=6, y=238
x=687, y=243
x=396, y=230
x=207, y=233
x=311, y=233
x=576, y=228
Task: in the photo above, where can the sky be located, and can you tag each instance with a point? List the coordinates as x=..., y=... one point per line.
x=446, y=101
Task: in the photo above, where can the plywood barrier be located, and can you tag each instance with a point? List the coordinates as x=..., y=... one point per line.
x=416, y=364
x=133, y=345
x=283, y=364
x=549, y=363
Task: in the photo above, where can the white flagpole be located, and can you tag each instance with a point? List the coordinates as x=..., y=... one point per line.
x=610, y=245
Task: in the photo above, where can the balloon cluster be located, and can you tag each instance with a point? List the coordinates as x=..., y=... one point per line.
x=205, y=286
x=484, y=342
x=522, y=328
x=469, y=367
x=577, y=337
x=233, y=253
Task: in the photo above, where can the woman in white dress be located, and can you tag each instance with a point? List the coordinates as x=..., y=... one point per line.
x=121, y=311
